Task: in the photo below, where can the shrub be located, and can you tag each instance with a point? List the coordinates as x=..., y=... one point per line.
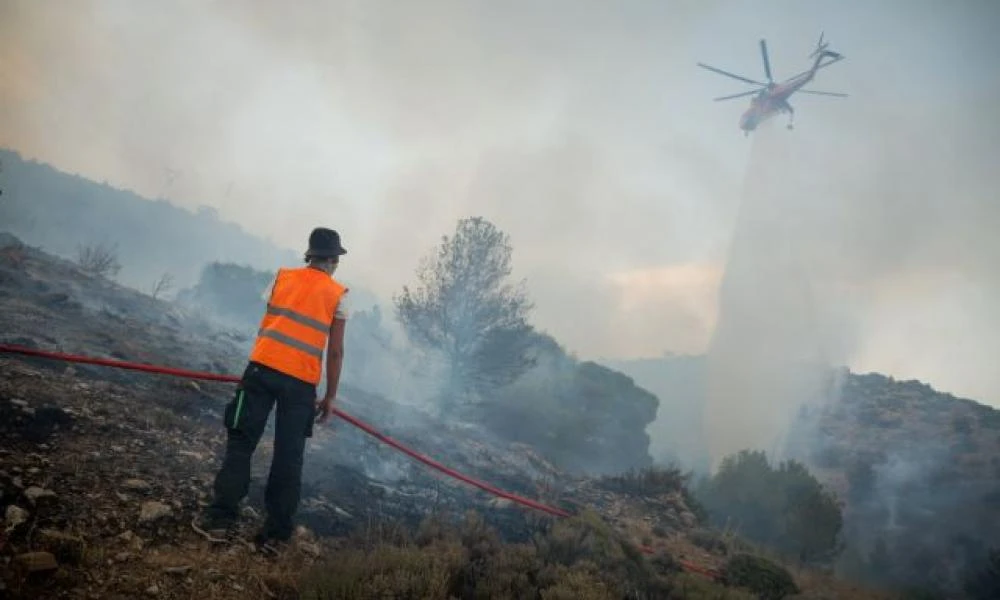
x=708, y=540
x=580, y=557
x=695, y=587
x=387, y=572
x=582, y=582
x=768, y=580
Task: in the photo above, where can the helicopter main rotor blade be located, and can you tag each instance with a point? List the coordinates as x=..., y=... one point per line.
x=818, y=93
x=728, y=74
x=740, y=95
x=767, y=63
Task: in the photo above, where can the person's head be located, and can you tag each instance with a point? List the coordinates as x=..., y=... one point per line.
x=324, y=250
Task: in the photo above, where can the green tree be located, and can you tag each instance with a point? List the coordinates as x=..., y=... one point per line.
x=465, y=308
x=784, y=508
x=811, y=518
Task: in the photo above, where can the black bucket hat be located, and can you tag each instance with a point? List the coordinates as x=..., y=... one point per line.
x=324, y=243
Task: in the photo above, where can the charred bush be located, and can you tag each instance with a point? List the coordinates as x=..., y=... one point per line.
x=100, y=259
x=651, y=481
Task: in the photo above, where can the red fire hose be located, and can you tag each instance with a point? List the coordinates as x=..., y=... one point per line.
x=120, y=364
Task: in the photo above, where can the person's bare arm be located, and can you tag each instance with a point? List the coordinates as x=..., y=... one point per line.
x=334, y=361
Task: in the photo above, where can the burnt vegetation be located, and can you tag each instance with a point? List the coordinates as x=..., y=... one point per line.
x=648, y=482
x=400, y=543
x=99, y=259
x=513, y=407
x=67, y=532
x=468, y=324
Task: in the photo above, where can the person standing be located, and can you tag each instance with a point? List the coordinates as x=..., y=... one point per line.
x=305, y=315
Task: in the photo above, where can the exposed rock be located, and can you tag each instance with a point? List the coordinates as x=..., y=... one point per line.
x=33, y=562
x=153, y=510
x=136, y=485
x=182, y=570
x=35, y=493
x=14, y=517
x=65, y=547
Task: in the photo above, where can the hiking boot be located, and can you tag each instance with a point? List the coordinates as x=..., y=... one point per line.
x=269, y=545
x=215, y=529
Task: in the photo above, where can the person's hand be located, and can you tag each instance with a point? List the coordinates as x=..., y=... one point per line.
x=324, y=408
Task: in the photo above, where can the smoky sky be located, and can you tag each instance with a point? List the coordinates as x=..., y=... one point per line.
x=583, y=129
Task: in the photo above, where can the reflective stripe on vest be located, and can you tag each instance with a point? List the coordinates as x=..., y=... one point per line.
x=298, y=318
x=294, y=330
x=290, y=341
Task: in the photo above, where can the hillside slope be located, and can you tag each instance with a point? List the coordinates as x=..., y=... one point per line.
x=917, y=469
x=102, y=470
x=61, y=211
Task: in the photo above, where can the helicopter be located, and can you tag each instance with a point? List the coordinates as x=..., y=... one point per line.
x=772, y=98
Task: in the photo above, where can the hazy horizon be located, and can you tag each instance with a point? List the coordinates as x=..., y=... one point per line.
x=583, y=130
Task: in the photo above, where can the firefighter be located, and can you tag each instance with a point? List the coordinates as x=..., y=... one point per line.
x=305, y=314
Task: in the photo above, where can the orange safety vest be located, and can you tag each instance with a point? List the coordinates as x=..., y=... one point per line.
x=294, y=330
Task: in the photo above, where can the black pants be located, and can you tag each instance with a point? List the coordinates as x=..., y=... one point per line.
x=246, y=417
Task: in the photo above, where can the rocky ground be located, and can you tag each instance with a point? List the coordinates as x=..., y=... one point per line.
x=99, y=487
x=100, y=482
x=102, y=470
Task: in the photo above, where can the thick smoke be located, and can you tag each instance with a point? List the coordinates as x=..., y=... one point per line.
x=389, y=122
x=865, y=236
x=770, y=349
x=584, y=129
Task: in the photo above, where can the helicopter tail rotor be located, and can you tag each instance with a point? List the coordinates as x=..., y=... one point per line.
x=767, y=63
x=820, y=46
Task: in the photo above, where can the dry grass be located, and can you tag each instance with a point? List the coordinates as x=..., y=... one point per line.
x=174, y=572
x=580, y=558
x=198, y=571
x=705, y=547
